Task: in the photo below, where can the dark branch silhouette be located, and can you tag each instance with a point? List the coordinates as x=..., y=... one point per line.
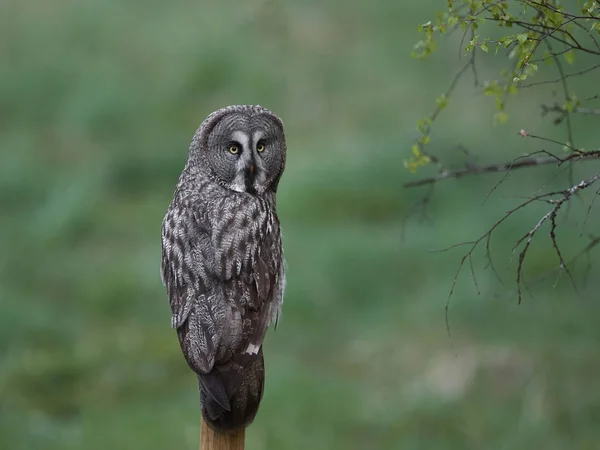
x=518, y=163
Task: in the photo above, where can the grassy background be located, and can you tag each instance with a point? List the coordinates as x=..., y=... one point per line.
x=99, y=101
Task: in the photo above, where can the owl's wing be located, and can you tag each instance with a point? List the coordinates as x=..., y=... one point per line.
x=176, y=246
x=248, y=261
x=269, y=278
x=198, y=314
x=235, y=262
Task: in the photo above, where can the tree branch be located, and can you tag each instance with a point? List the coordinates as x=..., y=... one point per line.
x=550, y=216
x=580, y=110
x=518, y=163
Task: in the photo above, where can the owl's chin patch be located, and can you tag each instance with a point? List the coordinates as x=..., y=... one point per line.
x=239, y=182
x=238, y=187
x=243, y=188
x=245, y=181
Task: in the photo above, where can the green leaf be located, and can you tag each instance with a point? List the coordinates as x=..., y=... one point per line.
x=472, y=44
x=520, y=77
x=522, y=38
x=423, y=125
x=424, y=26
x=570, y=56
x=492, y=88
x=500, y=117
x=442, y=101
x=418, y=158
x=506, y=41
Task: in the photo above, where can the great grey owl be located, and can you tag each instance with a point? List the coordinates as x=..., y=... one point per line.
x=222, y=258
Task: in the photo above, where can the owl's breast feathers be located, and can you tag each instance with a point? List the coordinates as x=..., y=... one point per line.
x=223, y=268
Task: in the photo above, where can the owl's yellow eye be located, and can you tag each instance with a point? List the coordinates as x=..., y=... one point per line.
x=233, y=150
x=260, y=148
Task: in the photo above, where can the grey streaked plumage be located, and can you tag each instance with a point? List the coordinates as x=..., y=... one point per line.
x=222, y=258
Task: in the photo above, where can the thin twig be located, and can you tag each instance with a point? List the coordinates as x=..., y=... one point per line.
x=519, y=163
x=565, y=196
x=558, y=80
x=578, y=110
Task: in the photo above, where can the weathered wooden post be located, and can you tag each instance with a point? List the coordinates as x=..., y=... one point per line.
x=213, y=440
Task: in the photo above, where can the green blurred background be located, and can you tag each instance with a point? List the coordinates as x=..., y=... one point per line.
x=99, y=101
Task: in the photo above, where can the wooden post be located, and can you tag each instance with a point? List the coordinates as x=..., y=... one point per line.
x=213, y=440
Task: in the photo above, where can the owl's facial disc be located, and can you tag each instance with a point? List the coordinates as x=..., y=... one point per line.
x=250, y=175
x=244, y=151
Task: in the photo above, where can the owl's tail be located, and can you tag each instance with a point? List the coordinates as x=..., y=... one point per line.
x=231, y=393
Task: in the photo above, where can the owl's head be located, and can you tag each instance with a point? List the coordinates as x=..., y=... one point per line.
x=242, y=148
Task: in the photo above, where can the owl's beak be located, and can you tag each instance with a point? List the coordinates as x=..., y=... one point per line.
x=251, y=168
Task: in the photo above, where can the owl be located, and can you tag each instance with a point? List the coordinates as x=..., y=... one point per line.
x=222, y=258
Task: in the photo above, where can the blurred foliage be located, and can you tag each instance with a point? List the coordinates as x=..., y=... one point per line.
x=99, y=101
